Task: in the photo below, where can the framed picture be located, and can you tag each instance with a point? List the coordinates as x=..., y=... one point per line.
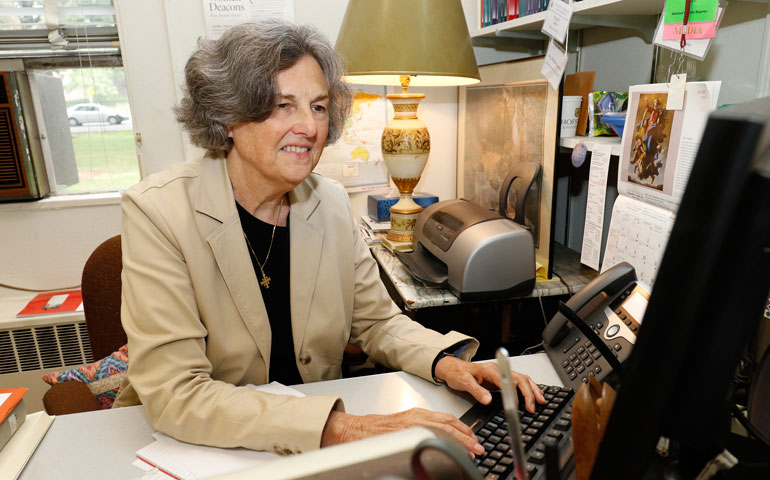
x=511, y=116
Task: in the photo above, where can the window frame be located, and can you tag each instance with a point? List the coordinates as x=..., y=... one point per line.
x=83, y=45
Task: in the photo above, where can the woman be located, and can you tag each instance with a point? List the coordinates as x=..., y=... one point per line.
x=245, y=267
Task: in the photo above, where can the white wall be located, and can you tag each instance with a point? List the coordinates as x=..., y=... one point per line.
x=45, y=244
x=740, y=54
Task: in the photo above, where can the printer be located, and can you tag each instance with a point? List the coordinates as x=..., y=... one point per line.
x=476, y=253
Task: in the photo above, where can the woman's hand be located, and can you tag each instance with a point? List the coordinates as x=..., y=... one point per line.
x=342, y=427
x=469, y=377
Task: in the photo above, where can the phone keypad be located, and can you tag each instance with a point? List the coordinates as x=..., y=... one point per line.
x=583, y=362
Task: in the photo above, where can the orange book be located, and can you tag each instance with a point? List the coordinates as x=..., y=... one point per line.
x=10, y=397
x=53, y=302
x=13, y=412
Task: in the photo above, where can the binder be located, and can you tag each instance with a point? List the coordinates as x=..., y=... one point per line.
x=13, y=412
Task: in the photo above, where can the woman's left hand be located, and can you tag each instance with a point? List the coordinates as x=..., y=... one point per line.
x=469, y=377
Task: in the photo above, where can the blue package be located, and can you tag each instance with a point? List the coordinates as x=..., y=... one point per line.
x=378, y=206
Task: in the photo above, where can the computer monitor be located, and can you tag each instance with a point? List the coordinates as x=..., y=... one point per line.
x=709, y=294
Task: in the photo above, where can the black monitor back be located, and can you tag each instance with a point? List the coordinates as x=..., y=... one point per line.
x=709, y=293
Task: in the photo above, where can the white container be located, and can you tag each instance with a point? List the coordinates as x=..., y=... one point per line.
x=570, y=109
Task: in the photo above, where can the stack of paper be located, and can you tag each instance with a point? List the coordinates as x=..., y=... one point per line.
x=374, y=225
x=373, y=231
x=186, y=461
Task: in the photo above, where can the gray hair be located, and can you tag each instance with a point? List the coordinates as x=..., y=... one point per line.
x=231, y=80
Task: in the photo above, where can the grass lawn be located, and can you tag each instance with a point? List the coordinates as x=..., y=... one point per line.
x=106, y=160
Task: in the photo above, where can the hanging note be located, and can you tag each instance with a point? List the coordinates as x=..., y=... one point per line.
x=557, y=20
x=554, y=64
x=676, y=88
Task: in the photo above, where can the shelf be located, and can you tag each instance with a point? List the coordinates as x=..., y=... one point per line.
x=570, y=142
x=634, y=14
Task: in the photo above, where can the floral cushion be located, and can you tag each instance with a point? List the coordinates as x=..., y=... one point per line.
x=103, y=378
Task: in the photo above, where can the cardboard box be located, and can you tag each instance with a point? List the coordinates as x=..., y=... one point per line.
x=379, y=205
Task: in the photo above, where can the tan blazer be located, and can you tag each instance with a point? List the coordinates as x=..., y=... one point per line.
x=197, y=327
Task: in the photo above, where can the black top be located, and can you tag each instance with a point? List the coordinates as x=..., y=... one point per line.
x=283, y=363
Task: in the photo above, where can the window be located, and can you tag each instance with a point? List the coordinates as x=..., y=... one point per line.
x=72, y=68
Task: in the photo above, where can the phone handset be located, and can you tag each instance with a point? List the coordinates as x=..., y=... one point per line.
x=588, y=299
x=516, y=186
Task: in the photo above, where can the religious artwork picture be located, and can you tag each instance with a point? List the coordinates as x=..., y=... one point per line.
x=650, y=141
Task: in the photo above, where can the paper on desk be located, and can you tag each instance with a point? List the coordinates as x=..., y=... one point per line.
x=190, y=462
x=597, y=191
x=153, y=474
x=186, y=461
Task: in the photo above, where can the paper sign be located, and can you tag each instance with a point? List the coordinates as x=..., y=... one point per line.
x=554, y=64
x=697, y=48
x=351, y=170
x=676, y=88
x=220, y=15
x=692, y=31
x=557, y=20
x=597, y=191
x=700, y=11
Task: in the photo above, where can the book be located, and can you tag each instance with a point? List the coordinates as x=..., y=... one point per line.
x=13, y=412
x=374, y=225
x=370, y=237
x=19, y=449
x=658, y=150
x=49, y=303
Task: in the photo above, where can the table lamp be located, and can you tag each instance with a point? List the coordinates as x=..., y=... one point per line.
x=406, y=42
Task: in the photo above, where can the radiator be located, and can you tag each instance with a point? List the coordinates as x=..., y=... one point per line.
x=26, y=354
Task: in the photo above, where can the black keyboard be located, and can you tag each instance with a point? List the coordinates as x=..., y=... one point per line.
x=551, y=420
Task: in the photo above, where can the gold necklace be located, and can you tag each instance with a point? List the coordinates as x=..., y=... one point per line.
x=265, y=282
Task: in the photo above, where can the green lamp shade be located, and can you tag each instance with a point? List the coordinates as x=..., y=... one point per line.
x=425, y=39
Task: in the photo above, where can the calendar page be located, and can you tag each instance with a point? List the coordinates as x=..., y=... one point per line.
x=658, y=150
x=638, y=235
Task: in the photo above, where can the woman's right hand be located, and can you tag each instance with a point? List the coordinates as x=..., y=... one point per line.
x=342, y=427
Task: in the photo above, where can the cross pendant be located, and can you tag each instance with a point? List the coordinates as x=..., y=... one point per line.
x=265, y=281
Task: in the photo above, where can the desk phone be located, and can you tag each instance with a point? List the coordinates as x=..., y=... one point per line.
x=594, y=331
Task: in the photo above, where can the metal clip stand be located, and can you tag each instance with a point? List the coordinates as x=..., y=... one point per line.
x=679, y=61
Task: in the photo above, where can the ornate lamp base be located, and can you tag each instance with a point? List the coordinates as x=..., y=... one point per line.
x=394, y=246
x=403, y=217
x=405, y=148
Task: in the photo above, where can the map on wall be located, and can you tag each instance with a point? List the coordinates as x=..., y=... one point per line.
x=355, y=159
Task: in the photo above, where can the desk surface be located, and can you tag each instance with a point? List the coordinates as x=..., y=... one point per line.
x=103, y=444
x=570, y=277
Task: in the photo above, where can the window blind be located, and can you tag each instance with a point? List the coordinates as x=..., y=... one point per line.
x=56, y=27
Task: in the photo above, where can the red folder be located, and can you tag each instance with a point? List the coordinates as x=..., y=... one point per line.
x=37, y=306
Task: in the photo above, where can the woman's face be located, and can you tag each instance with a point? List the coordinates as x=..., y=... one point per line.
x=286, y=147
